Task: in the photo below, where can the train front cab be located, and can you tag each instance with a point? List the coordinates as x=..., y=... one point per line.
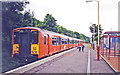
x=28, y=42
x=25, y=42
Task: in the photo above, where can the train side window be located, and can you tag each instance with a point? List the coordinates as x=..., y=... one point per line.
x=16, y=37
x=80, y=41
x=47, y=40
x=59, y=41
x=34, y=37
x=54, y=41
x=72, y=41
x=68, y=41
x=44, y=40
x=62, y=41
x=75, y=41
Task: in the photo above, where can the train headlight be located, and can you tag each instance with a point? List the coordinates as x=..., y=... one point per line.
x=34, y=52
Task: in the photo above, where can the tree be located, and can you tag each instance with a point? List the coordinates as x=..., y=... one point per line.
x=70, y=33
x=77, y=35
x=41, y=25
x=11, y=15
x=27, y=19
x=50, y=23
x=94, y=28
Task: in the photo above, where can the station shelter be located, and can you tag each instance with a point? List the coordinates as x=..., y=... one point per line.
x=110, y=44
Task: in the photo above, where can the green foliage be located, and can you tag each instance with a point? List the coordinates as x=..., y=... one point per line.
x=77, y=35
x=94, y=29
x=12, y=17
x=50, y=23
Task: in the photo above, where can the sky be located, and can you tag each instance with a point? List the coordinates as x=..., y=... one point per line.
x=77, y=15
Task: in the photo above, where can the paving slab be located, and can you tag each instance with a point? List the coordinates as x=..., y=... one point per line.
x=99, y=66
x=73, y=62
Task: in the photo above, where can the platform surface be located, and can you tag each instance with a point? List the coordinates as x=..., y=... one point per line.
x=74, y=62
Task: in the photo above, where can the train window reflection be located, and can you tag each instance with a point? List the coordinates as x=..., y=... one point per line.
x=72, y=41
x=16, y=37
x=54, y=41
x=64, y=41
x=34, y=37
x=45, y=40
x=59, y=42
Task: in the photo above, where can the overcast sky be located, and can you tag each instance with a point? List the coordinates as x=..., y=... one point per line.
x=77, y=15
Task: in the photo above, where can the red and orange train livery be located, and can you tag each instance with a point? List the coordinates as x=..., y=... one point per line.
x=32, y=41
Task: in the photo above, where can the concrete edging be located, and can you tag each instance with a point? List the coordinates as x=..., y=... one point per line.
x=27, y=67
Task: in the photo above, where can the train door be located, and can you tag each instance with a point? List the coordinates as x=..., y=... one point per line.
x=48, y=44
x=45, y=45
x=25, y=45
x=68, y=43
x=60, y=43
x=34, y=42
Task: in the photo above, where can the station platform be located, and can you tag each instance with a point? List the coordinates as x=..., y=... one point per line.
x=99, y=66
x=74, y=62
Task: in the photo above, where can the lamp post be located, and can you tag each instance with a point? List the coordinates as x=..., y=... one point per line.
x=98, y=52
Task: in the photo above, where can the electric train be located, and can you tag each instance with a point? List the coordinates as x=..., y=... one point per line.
x=33, y=41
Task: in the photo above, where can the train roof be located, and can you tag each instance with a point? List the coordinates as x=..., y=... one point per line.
x=112, y=32
x=49, y=32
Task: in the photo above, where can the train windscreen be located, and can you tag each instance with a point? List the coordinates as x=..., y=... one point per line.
x=16, y=37
x=25, y=40
x=35, y=37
